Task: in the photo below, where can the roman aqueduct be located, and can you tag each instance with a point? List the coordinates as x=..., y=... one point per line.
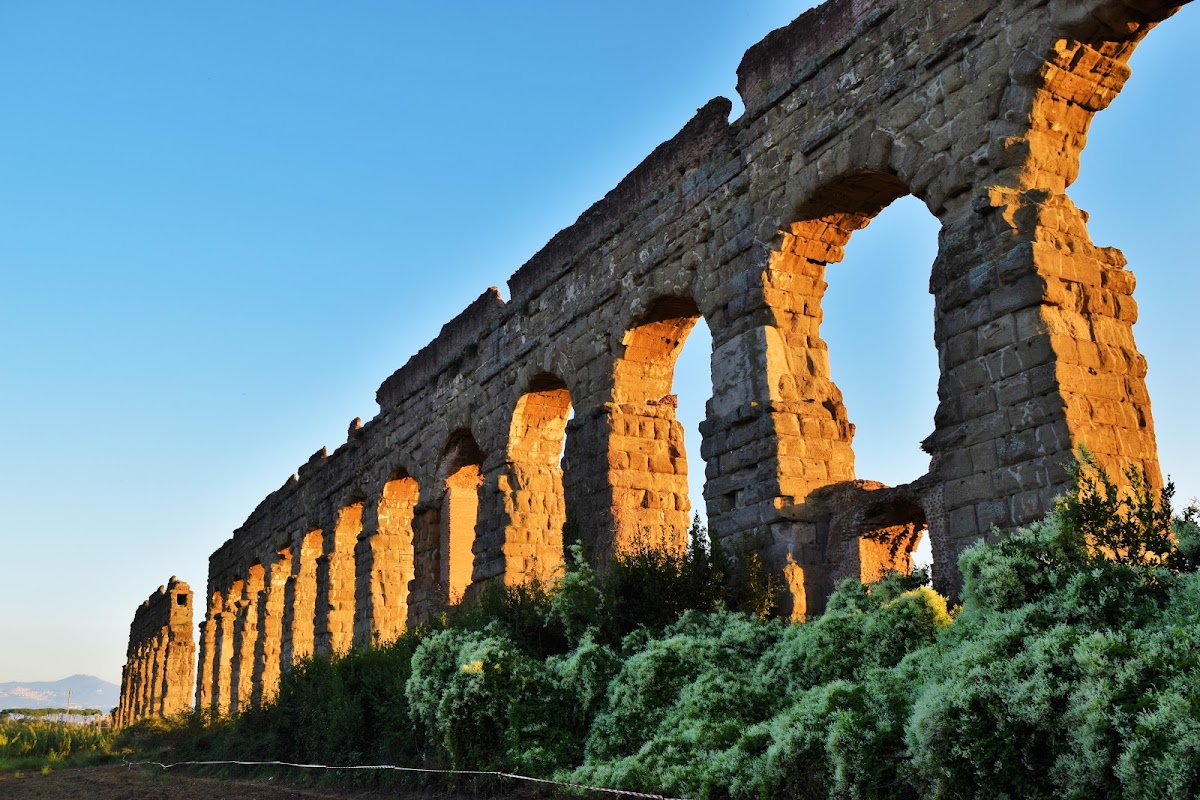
x=979, y=108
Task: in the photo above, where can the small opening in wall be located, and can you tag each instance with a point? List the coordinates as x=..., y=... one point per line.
x=894, y=532
x=181, y=599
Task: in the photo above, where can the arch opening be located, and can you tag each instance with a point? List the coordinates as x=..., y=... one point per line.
x=391, y=558
x=300, y=603
x=272, y=616
x=462, y=476
x=647, y=452
x=890, y=535
x=245, y=635
x=537, y=508
x=876, y=322
x=879, y=328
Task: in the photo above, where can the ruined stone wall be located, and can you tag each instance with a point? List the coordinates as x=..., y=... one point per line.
x=160, y=663
x=980, y=108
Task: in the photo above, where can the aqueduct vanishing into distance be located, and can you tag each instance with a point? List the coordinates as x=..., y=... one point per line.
x=979, y=108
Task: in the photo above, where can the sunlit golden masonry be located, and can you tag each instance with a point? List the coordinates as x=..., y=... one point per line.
x=979, y=108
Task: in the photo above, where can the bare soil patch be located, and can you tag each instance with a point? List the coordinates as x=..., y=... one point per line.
x=117, y=782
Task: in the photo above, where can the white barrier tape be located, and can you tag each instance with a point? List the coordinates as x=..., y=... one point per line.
x=489, y=773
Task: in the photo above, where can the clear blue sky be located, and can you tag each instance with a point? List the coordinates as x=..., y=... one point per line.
x=222, y=225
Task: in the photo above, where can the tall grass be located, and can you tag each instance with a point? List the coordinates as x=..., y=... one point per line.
x=30, y=744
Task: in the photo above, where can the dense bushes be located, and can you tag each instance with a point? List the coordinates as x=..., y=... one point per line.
x=1072, y=669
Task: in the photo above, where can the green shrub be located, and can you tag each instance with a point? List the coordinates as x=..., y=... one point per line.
x=1069, y=671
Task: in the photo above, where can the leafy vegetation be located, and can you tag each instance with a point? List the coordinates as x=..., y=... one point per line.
x=1070, y=670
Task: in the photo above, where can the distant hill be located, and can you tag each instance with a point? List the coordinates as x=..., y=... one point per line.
x=87, y=691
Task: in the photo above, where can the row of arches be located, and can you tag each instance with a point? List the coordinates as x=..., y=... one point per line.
x=391, y=559
x=398, y=553
x=1022, y=380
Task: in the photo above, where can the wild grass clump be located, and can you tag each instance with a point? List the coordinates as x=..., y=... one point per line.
x=1070, y=670
x=36, y=744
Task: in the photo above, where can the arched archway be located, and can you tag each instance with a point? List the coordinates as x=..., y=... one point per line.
x=384, y=560
x=879, y=327
x=223, y=686
x=535, y=504
x=300, y=599
x=647, y=458
x=795, y=403
x=461, y=473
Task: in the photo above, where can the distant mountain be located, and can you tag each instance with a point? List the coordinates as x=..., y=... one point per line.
x=87, y=691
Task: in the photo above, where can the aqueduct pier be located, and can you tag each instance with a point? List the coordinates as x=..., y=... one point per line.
x=979, y=108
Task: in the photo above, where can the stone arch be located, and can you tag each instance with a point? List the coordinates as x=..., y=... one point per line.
x=532, y=482
x=795, y=284
x=460, y=473
x=646, y=455
x=869, y=530
x=384, y=557
x=777, y=418
x=891, y=530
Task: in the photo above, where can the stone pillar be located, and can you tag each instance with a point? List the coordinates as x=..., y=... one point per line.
x=534, y=513
x=157, y=677
x=208, y=649
x=776, y=430
x=301, y=600
x=427, y=595
x=1038, y=358
x=224, y=657
x=648, y=474
x=269, y=648
x=384, y=563
x=245, y=639
x=334, y=618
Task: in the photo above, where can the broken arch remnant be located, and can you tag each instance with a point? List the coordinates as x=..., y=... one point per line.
x=980, y=108
x=160, y=663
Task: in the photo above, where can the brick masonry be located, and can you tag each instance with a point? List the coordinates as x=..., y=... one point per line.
x=979, y=108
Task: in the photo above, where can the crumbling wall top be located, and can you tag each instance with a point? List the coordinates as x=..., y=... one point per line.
x=485, y=313
x=789, y=55
x=169, y=607
x=697, y=142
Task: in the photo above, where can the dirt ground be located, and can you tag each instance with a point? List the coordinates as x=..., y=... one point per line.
x=152, y=783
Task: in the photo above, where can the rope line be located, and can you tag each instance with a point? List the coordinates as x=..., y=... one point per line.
x=393, y=767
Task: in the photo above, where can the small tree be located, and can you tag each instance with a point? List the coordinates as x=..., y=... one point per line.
x=1131, y=525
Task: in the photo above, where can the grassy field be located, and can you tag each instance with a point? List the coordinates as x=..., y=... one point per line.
x=34, y=745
